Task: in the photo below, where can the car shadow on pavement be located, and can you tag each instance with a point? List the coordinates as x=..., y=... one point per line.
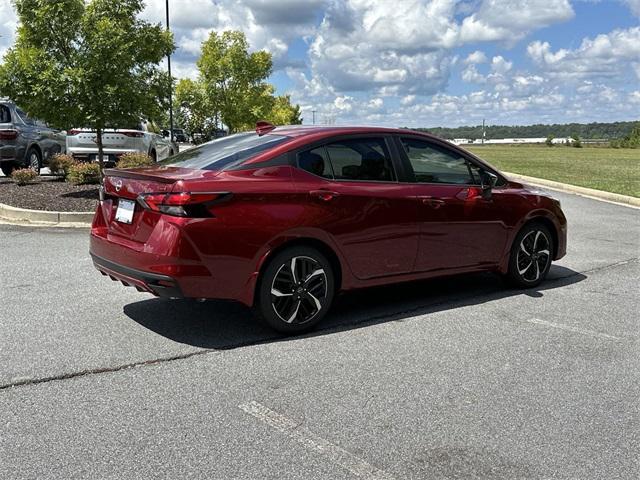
x=223, y=325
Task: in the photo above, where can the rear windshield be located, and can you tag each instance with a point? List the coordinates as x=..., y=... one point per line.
x=224, y=153
x=5, y=116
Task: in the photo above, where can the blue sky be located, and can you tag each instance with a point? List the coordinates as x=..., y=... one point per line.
x=428, y=62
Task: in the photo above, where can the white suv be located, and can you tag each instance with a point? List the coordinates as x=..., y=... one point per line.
x=81, y=143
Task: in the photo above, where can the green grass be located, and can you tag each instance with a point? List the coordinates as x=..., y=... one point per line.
x=602, y=168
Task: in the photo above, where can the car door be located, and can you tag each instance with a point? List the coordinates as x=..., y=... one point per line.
x=459, y=227
x=354, y=190
x=29, y=129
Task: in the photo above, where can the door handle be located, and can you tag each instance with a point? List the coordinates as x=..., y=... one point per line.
x=324, y=195
x=434, y=203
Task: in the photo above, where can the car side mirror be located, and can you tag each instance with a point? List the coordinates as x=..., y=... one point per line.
x=488, y=180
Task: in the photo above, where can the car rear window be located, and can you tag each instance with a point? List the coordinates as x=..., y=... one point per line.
x=5, y=115
x=224, y=153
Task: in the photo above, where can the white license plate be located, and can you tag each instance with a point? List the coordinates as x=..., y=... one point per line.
x=124, y=213
x=105, y=158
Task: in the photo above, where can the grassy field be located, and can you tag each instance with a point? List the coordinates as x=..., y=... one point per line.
x=602, y=168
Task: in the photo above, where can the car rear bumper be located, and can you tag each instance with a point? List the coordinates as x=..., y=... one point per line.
x=88, y=153
x=166, y=263
x=8, y=153
x=160, y=285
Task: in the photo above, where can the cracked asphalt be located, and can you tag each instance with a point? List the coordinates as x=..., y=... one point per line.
x=450, y=378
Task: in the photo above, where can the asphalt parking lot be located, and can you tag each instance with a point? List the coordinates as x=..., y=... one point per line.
x=454, y=378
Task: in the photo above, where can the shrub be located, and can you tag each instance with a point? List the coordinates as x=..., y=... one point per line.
x=576, y=142
x=84, y=173
x=134, y=159
x=23, y=176
x=60, y=164
x=549, y=141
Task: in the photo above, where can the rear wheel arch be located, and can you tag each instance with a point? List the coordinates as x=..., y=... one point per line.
x=319, y=245
x=36, y=147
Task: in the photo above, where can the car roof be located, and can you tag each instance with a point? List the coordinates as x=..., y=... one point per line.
x=302, y=130
x=307, y=133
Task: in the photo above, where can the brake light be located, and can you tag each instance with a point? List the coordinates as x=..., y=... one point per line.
x=182, y=204
x=73, y=132
x=8, y=134
x=133, y=134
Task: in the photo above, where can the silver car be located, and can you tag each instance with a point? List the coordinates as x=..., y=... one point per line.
x=25, y=142
x=81, y=144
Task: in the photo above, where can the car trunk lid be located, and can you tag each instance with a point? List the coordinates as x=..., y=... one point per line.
x=122, y=188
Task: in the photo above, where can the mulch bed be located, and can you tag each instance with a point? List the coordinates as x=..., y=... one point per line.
x=49, y=193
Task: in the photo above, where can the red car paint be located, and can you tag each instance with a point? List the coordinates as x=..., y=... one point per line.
x=374, y=232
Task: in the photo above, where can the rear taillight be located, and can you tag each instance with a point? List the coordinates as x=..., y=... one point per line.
x=182, y=204
x=133, y=134
x=71, y=133
x=8, y=134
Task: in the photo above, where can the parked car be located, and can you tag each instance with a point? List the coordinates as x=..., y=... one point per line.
x=81, y=143
x=179, y=135
x=25, y=142
x=285, y=218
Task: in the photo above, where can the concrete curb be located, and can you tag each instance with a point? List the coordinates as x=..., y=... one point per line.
x=585, y=192
x=41, y=217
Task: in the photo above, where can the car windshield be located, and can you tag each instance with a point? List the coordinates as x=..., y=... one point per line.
x=225, y=152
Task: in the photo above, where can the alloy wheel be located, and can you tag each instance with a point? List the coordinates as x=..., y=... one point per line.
x=34, y=161
x=298, y=290
x=533, y=255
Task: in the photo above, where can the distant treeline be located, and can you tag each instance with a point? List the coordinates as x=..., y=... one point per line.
x=583, y=130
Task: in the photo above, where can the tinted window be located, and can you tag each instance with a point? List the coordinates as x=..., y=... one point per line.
x=435, y=164
x=224, y=152
x=24, y=117
x=361, y=159
x=5, y=115
x=315, y=161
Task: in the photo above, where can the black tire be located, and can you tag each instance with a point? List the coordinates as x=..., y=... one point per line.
x=154, y=157
x=298, y=295
x=531, y=256
x=7, y=168
x=34, y=160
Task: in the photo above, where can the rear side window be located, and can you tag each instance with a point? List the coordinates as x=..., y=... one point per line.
x=225, y=152
x=365, y=159
x=315, y=161
x=5, y=114
x=435, y=164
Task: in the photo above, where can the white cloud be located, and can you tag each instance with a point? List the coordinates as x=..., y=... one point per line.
x=634, y=6
x=8, y=24
x=511, y=20
x=606, y=55
x=475, y=58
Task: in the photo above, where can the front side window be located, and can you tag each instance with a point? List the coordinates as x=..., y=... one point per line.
x=225, y=152
x=362, y=159
x=432, y=163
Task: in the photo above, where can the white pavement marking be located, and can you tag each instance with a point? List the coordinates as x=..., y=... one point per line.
x=583, y=331
x=335, y=454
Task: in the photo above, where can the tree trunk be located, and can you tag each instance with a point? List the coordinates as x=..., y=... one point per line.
x=100, y=150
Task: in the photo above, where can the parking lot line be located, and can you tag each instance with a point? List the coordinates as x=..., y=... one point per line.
x=568, y=328
x=333, y=453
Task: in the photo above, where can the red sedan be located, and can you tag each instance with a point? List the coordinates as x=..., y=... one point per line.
x=282, y=219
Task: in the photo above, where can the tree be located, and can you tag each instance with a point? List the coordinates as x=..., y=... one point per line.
x=283, y=112
x=91, y=64
x=549, y=140
x=233, y=79
x=194, y=111
x=575, y=141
